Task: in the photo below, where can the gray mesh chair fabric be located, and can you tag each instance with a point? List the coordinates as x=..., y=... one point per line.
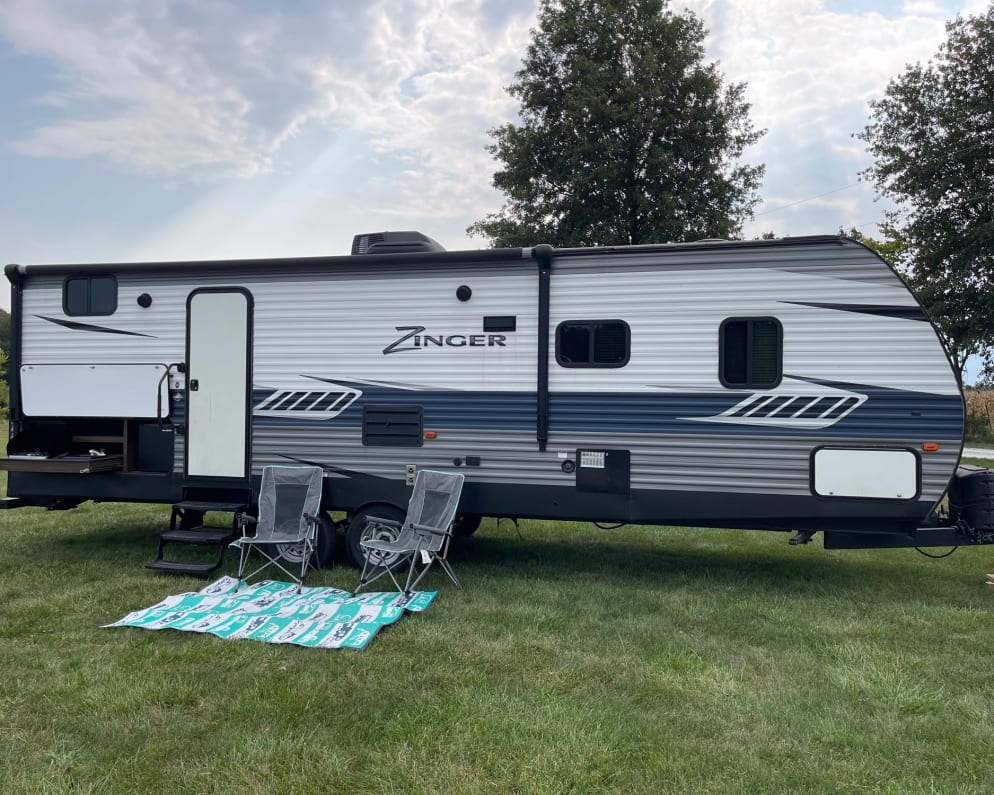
x=289, y=501
x=421, y=539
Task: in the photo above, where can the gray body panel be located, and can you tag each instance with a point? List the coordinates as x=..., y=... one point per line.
x=850, y=328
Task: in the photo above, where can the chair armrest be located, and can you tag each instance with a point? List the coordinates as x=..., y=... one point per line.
x=433, y=530
x=245, y=518
x=387, y=522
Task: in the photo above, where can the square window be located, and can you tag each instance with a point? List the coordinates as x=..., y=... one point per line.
x=750, y=353
x=593, y=343
x=89, y=295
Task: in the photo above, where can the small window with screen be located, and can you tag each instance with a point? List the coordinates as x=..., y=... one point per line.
x=593, y=343
x=89, y=295
x=750, y=352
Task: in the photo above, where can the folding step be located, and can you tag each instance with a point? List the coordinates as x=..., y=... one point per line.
x=202, y=536
x=178, y=567
x=205, y=506
x=186, y=531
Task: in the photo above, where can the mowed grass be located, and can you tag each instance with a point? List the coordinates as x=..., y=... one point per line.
x=575, y=660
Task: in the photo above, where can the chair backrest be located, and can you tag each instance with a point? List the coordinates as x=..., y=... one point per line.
x=434, y=503
x=286, y=494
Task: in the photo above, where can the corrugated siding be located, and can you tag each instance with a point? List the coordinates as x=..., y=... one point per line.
x=675, y=310
x=336, y=325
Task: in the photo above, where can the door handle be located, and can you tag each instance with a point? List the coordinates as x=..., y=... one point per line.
x=194, y=385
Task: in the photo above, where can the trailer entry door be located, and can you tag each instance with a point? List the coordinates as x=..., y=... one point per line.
x=218, y=382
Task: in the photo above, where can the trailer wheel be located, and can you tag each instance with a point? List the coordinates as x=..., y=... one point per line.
x=466, y=524
x=357, y=530
x=290, y=555
x=327, y=540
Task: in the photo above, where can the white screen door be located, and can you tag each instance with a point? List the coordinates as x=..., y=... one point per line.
x=218, y=379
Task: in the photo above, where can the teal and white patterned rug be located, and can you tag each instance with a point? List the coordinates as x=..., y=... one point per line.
x=271, y=611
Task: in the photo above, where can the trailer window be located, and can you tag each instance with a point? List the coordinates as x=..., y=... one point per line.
x=750, y=352
x=593, y=343
x=89, y=295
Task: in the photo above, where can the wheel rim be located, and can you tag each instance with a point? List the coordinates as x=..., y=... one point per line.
x=291, y=553
x=380, y=533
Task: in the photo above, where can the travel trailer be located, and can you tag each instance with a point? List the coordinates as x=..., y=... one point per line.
x=792, y=385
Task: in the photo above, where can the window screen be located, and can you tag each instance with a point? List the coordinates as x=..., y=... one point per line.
x=751, y=352
x=90, y=295
x=593, y=343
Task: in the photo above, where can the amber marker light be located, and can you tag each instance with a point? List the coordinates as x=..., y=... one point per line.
x=432, y=435
x=930, y=447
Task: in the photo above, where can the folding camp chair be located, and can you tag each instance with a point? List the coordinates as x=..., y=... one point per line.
x=421, y=539
x=289, y=501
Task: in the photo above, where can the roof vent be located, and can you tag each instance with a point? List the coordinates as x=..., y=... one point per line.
x=393, y=243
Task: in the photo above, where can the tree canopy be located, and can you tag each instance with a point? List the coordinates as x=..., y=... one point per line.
x=932, y=137
x=626, y=134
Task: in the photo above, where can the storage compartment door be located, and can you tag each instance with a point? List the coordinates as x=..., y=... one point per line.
x=218, y=383
x=868, y=474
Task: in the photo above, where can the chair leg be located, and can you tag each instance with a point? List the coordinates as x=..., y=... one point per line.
x=242, y=560
x=303, y=568
x=270, y=561
x=362, y=577
x=448, y=570
x=374, y=559
x=416, y=579
x=410, y=586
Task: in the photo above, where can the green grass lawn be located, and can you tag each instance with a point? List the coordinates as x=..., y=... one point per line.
x=575, y=660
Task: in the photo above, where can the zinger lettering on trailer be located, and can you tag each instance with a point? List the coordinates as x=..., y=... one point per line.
x=417, y=339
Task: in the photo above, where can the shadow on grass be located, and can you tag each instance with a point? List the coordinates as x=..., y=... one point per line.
x=633, y=559
x=657, y=563
x=114, y=531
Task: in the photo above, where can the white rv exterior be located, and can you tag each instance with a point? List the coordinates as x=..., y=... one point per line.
x=369, y=365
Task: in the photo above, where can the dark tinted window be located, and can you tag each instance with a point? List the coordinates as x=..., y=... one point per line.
x=90, y=295
x=593, y=343
x=735, y=352
x=573, y=345
x=751, y=351
x=103, y=295
x=77, y=296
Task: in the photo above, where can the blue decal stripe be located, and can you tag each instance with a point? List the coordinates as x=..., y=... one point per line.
x=886, y=413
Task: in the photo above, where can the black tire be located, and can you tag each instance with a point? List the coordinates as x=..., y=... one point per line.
x=290, y=554
x=357, y=529
x=466, y=524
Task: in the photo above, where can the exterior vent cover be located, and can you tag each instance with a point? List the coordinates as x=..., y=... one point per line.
x=387, y=425
x=393, y=243
x=361, y=243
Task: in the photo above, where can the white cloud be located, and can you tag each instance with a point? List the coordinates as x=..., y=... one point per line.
x=811, y=72
x=219, y=89
x=215, y=90
x=804, y=63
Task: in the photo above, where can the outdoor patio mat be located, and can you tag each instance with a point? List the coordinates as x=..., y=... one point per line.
x=272, y=611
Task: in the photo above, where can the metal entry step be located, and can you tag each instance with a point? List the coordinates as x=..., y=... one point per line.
x=187, y=529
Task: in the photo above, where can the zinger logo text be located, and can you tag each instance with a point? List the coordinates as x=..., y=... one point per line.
x=415, y=339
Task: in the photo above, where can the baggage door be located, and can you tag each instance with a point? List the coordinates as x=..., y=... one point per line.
x=218, y=382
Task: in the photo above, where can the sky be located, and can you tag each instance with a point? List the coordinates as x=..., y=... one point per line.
x=202, y=129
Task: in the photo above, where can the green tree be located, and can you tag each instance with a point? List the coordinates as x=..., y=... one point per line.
x=892, y=248
x=4, y=355
x=626, y=134
x=5, y=330
x=4, y=387
x=931, y=137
